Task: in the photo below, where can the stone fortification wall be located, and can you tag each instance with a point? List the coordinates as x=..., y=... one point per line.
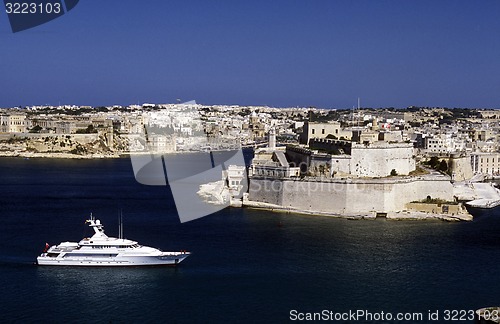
x=435, y=208
x=461, y=168
x=266, y=190
x=379, y=160
x=331, y=145
x=299, y=157
x=348, y=196
x=340, y=165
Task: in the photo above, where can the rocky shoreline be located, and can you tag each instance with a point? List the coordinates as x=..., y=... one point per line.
x=403, y=215
x=61, y=155
x=58, y=155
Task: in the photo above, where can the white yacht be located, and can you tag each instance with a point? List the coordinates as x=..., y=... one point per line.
x=101, y=250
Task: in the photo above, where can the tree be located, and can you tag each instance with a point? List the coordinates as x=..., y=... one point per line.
x=89, y=130
x=36, y=129
x=443, y=166
x=434, y=162
x=394, y=173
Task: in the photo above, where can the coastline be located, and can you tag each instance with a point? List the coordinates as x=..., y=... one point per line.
x=58, y=155
x=401, y=215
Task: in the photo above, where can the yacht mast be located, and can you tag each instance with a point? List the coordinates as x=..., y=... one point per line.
x=120, y=226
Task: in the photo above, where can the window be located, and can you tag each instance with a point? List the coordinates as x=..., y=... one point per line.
x=323, y=131
x=313, y=130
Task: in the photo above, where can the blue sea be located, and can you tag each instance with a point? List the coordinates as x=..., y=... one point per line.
x=247, y=266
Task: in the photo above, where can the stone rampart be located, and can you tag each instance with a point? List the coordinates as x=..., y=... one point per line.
x=382, y=196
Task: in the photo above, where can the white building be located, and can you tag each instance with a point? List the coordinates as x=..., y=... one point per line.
x=272, y=164
x=485, y=163
x=235, y=175
x=4, y=123
x=162, y=143
x=444, y=144
x=14, y=123
x=319, y=130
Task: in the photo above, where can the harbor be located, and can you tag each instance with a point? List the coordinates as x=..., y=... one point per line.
x=306, y=257
x=302, y=180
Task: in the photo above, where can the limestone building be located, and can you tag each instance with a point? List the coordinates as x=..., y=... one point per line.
x=485, y=163
x=319, y=130
x=13, y=123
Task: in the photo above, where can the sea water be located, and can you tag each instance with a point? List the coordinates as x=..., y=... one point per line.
x=246, y=265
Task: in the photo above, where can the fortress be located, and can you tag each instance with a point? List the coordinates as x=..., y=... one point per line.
x=343, y=178
x=349, y=197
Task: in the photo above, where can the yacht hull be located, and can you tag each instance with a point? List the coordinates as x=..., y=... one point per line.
x=113, y=262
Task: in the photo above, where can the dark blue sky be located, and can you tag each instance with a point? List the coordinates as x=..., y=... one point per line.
x=276, y=53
